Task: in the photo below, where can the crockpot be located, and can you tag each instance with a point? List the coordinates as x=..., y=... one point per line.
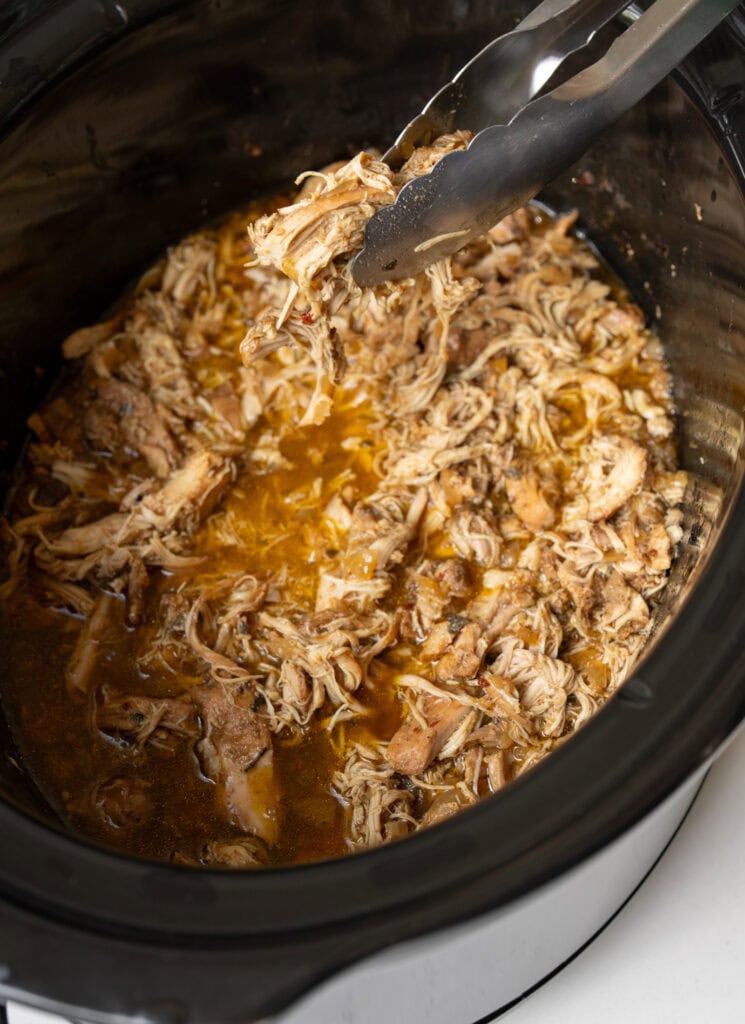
x=125, y=125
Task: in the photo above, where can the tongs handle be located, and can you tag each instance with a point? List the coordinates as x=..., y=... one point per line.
x=506, y=165
x=507, y=73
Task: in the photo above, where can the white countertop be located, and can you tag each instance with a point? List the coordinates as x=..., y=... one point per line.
x=675, y=954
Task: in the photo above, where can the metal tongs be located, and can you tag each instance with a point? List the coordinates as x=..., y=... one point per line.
x=522, y=142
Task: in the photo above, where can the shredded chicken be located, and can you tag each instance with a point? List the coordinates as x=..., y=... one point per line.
x=419, y=531
x=139, y=720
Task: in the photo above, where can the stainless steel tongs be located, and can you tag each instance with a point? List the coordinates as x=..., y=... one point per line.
x=522, y=143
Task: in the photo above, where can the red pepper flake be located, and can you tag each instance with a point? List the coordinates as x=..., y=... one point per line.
x=307, y=318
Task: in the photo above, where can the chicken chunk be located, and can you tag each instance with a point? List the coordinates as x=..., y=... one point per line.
x=138, y=720
x=444, y=806
x=123, y=802
x=614, y=469
x=428, y=593
x=530, y=502
x=101, y=628
x=236, y=752
x=604, y=601
x=414, y=747
x=189, y=494
x=122, y=419
x=107, y=532
x=248, y=852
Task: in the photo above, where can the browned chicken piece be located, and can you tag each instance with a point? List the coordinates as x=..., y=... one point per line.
x=463, y=658
x=382, y=527
x=452, y=576
x=444, y=806
x=426, y=603
x=137, y=720
x=496, y=609
x=615, y=606
x=227, y=405
x=190, y=494
x=442, y=635
x=642, y=527
x=123, y=802
x=101, y=628
x=108, y=532
x=80, y=342
x=121, y=420
x=529, y=500
x=656, y=548
x=455, y=487
x=465, y=345
x=137, y=584
x=414, y=747
x=429, y=590
x=458, y=644
x=620, y=610
x=236, y=853
x=236, y=752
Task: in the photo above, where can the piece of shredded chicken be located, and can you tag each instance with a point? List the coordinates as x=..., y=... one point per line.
x=422, y=528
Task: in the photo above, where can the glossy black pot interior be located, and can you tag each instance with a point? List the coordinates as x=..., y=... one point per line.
x=125, y=126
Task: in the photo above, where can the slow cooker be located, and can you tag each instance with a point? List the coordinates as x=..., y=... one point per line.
x=125, y=125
